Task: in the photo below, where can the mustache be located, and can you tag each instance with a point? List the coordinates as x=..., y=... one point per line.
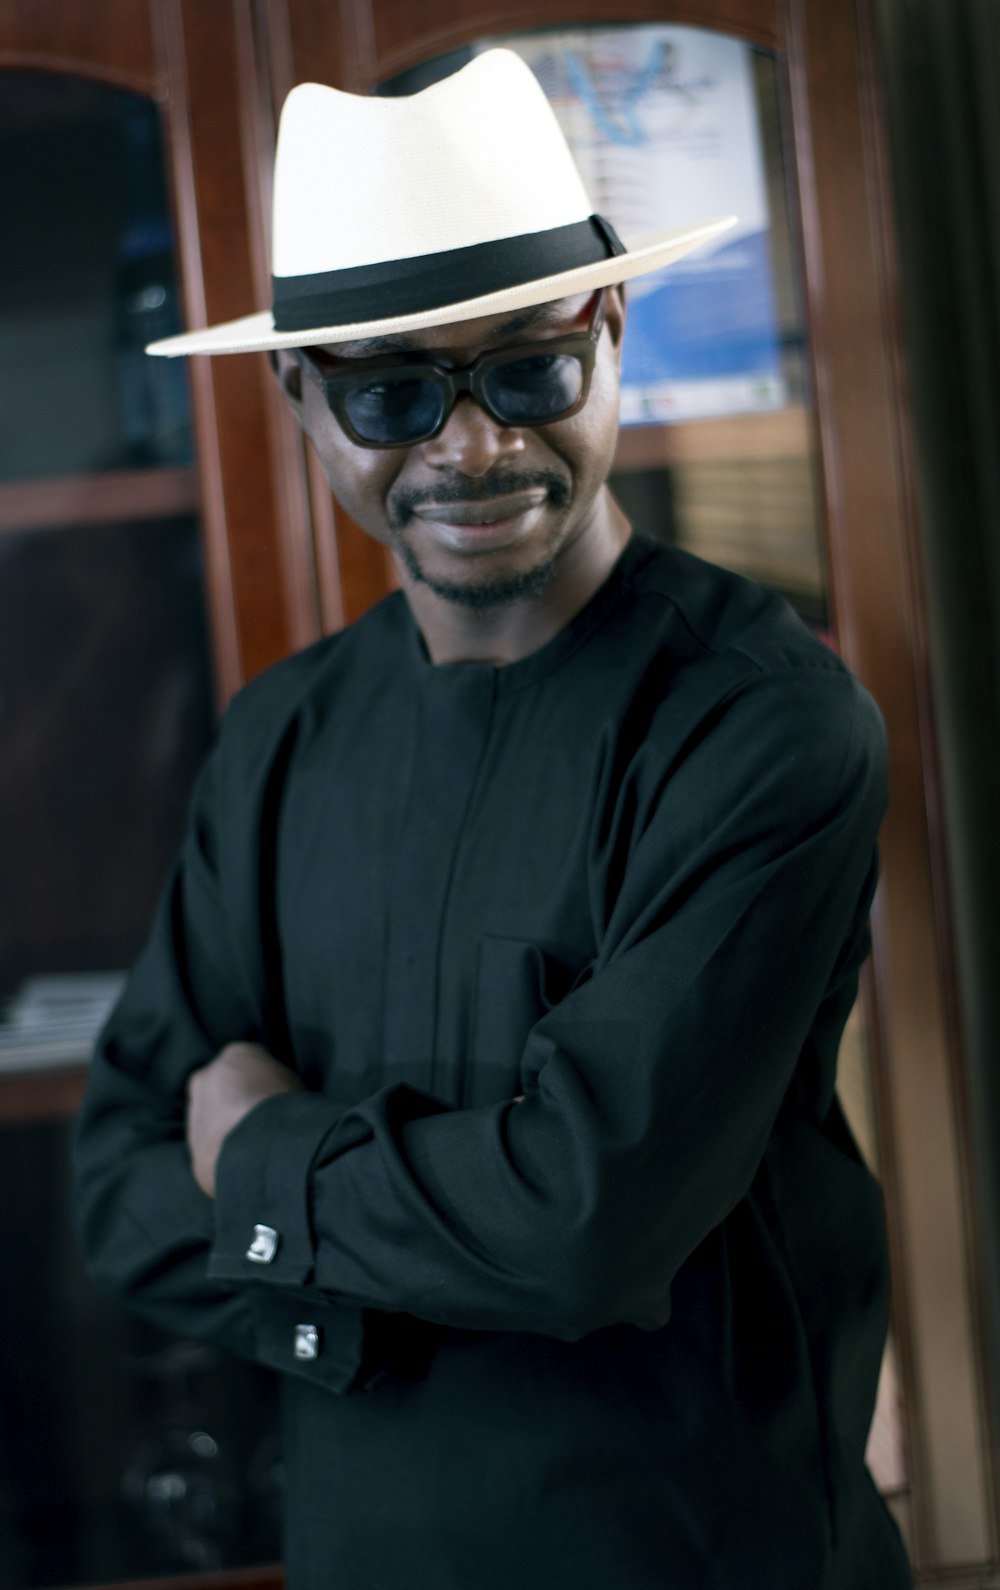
x=405, y=500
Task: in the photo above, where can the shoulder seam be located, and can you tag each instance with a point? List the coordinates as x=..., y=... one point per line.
x=826, y=661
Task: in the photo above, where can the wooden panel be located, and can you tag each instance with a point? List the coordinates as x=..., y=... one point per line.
x=781, y=433
x=395, y=38
x=317, y=40
x=876, y=591
x=262, y=65
x=41, y=1095
x=233, y=1579
x=110, y=40
x=247, y=575
x=310, y=42
x=366, y=568
x=97, y=499
x=324, y=518
x=757, y=516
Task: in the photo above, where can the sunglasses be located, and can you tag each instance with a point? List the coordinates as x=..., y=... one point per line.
x=398, y=401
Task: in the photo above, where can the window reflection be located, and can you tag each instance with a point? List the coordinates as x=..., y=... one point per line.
x=86, y=279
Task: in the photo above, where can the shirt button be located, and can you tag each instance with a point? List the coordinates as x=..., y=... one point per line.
x=306, y=1341
x=264, y=1245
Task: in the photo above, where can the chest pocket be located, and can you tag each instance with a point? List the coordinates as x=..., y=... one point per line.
x=517, y=982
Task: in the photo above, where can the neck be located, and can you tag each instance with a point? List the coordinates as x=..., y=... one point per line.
x=507, y=632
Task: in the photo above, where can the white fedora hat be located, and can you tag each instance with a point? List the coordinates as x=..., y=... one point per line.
x=391, y=215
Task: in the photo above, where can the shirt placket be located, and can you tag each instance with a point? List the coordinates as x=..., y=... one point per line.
x=455, y=715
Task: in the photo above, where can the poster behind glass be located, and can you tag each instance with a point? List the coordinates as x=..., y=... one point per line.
x=663, y=124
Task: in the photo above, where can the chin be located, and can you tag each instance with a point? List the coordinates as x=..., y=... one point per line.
x=500, y=591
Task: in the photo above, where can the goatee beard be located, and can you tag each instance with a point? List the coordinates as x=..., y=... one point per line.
x=500, y=589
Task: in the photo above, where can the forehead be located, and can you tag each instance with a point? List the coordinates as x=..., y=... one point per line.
x=489, y=331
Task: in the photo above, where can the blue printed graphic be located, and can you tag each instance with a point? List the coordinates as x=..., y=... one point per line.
x=715, y=320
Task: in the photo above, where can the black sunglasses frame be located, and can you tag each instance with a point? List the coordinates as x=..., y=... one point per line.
x=337, y=380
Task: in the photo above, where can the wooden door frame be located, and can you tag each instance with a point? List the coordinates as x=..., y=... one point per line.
x=865, y=449
x=268, y=526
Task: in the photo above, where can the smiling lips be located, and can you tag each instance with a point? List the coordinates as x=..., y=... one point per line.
x=470, y=514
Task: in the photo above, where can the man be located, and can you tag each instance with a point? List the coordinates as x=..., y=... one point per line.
x=479, y=1072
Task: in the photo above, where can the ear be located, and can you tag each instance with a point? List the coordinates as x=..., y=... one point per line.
x=614, y=314
x=288, y=375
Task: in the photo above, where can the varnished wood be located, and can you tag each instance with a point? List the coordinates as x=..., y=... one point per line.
x=361, y=65
x=806, y=209
x=779, y=433
x=324, y=522
x=41, y=1095
x=315, y=47
x=324, y=44
x=109, y=41
x=233, y=1579
x=401, y=38
x=873, y=539
x=366, y=569
x=307, y=569
x=169, y=44
x=110, y=498
x=239, y=383
x=247, y=573
x=756, y=516
x=258, y=128
x=273, y=538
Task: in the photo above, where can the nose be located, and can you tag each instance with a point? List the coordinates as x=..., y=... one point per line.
x=471, y=441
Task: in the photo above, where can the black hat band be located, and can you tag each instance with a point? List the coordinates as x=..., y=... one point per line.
x=431, y=281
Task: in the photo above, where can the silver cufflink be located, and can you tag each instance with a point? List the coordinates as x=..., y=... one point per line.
x=264, y=1245
x=306, y=1341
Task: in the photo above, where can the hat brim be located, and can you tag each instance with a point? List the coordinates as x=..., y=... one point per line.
x=256, y=333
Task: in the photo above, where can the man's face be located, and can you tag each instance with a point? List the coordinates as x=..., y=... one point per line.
x=480, y=512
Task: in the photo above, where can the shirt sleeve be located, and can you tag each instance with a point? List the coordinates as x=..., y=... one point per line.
x=145, y=1227
x=651, y=1089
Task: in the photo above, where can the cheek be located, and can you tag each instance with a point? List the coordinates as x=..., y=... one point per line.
x=587, y=442
x=359, y=477
x=602, y=419
x=604, y=395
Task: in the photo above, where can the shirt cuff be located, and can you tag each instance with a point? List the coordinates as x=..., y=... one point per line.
x=263, y=1230
x=263, y=1233
x=303, y=1334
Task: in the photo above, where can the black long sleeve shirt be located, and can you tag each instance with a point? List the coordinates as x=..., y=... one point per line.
x=626, y=1332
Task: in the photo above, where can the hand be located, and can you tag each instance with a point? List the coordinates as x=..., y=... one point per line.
x=221, y=1093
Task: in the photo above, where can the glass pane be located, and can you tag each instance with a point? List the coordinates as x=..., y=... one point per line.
x=107, y=714
x=124, y=1454
x=87, y=278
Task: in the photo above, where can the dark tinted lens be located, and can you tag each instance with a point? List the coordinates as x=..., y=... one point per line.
x=394, y=411
x=539, y=388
